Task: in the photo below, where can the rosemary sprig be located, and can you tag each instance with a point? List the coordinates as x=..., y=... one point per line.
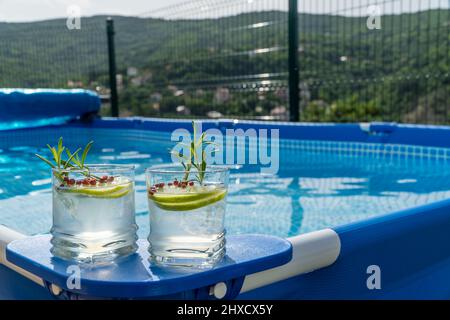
x=196, y=157
x=73, y=160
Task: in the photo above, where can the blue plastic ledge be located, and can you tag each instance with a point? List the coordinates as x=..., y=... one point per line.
x=28, y=105
x=134, y=277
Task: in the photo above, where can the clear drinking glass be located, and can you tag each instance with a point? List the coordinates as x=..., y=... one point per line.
x=187, y=213
x=94, y=213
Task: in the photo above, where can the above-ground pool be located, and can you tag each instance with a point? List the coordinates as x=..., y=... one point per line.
x=319, y=185
x=350, y=198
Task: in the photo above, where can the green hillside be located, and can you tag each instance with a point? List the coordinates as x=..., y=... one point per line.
x=348, y=73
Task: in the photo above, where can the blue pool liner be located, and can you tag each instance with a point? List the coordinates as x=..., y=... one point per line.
x=21, y=108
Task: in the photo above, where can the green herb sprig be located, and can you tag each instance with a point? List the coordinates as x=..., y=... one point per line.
x=196, y=158
x=73, y=160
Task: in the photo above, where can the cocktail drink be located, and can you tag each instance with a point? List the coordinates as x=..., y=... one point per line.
x=187, y=215
x=93, y=212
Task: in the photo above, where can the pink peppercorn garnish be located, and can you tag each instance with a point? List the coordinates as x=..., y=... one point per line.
x=104, y=178
x=79, y=182
x=191, y=183
x=175, y=183
x=170, y=184
x=110, y=179
x=93, y=182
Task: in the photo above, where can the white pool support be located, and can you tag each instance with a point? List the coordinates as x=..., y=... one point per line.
x=311, y=251
x=6, y=236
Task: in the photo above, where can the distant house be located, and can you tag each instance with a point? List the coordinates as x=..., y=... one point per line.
x=137, y=81
x=199, y=92
x=172, y=88
x=132, y=71
x=280, y=113
x=74, y=84
x=183, y=110
x=222, y=95
x=305, y=93
x=141, y=80
x=214, y=114
x=156, y=97
x=282, y=93
x=178, y=93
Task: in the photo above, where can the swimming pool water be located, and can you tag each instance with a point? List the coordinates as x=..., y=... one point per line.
x=314, y=189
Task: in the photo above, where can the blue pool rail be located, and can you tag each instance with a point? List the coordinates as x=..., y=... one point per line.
x=134, y=277
x=375, y=132
x=36, y=107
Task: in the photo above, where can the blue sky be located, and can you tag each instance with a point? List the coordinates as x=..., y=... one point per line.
x=30, y=10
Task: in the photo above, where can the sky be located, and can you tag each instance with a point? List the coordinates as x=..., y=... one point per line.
x=32, y=10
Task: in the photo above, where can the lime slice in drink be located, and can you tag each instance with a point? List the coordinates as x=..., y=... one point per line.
x=118, y=194
x=188, y=196
x=187, y=201
x=108, y=192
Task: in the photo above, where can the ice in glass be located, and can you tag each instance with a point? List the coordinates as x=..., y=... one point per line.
x=187, y=216
x=93, y=212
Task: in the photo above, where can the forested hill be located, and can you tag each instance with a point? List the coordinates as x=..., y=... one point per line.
x=341, y=61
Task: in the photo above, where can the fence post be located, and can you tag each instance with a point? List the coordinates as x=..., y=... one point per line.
x=294, y=97
x=112, y=68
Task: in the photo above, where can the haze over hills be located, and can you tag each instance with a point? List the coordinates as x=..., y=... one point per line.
x=347, y=72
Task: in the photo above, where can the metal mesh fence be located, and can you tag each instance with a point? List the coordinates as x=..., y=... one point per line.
x=369, y=60
x=209, y=58
x=360, y=60
x=47, y=54
x=375, y=60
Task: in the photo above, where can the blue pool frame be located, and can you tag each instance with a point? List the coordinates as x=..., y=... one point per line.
x=411, y=247
x=392, y=133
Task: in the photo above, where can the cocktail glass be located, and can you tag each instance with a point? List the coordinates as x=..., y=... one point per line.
x=187, y=212
x=94, y=213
